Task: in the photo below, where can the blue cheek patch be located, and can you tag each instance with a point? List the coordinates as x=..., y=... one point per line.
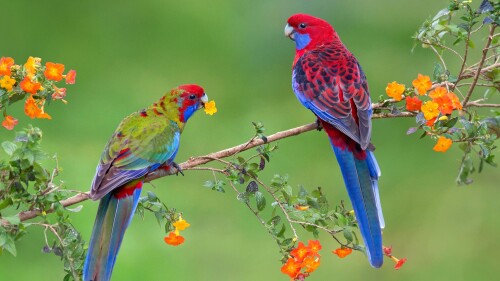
x=301, y=40
x=189, y=111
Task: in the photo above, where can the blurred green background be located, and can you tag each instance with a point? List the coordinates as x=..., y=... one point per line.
x=128, y=53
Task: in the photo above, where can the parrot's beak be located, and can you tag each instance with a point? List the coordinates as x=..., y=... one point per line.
x=289, y=32
x=204, y=99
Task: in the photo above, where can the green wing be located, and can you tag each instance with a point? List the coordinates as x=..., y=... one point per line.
x=139, y=145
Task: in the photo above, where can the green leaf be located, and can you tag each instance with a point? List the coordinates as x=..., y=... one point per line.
x=16, y=97
x=9, y=147
x=286, y=242
x=274, y=220
x=282, y=231
x=243, y=197
x=9, y=245
x=76, y=209
x=240, y=159
x=438, y=72
x=152, y=196
x=260, y=200
x=14, y=220
x=348, y=235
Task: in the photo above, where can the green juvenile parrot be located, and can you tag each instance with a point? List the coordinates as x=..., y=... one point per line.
x=143, y=142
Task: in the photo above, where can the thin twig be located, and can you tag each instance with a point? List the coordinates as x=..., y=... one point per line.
x=464, y=60
x=283, y=209
x=480, y=66
x=331, y=232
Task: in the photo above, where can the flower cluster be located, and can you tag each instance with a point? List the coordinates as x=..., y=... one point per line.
x=303, y=260
x=439, y=105
x=398, y=262
x=33, y=82
x=174, y=238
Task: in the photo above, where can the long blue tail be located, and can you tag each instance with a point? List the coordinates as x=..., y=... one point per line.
x=360, y=177
x=113, y=217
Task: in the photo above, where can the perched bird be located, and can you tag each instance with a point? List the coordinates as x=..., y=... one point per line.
x=328, y=80
x=143, y=142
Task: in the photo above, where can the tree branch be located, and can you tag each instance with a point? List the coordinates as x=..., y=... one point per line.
x=193, y=162
x=480, y=66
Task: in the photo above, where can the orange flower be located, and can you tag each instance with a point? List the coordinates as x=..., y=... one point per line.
x=314, y=245
x=431, y=122
x=445, y=104
x=43, y=115
x=7, y=83
x=181, y=224
x=54, y=71
x=59, y=93
x=9, y=122
x=455, y=101
x=430, y=109
x=70, y=77
x=29, y=86
x=31, y=109
x=399, y=262
x=173, y=239
x=413, y=103
x=300, y=252
x=342, y=252
x=438, y=92
x=422, y=84
x=5, y=65
x=301, y=208
x=291, y=268
x=442, y=144
x=311, y=263
x=395, y=90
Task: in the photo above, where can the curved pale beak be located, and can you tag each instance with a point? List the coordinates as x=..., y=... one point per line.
x=289, y=32
x=204, y=99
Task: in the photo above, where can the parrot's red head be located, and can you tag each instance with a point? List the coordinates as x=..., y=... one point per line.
x=309, y=32
x=192, y=97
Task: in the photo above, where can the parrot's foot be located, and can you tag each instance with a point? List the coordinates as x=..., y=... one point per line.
x=178, y=168
x=171, y=169
x=319, y=127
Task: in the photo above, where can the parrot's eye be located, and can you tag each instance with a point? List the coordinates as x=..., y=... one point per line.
x=302, y=25
x=192, y=96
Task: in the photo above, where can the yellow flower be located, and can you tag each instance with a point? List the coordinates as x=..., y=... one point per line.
x=31, y=66
x=7, y=83
x=210, y=108
x=442, y=144
x=422, y=84
x=430, y=110
x=395, y=90
x=181, y=224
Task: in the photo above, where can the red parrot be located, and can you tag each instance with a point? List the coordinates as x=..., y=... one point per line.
x=328, y=80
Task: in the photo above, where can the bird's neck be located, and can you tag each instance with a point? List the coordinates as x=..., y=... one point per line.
x=332, y=42
x=166, y=106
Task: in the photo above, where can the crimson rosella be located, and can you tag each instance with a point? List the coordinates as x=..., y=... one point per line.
x=328, y=80
x=143, y=142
